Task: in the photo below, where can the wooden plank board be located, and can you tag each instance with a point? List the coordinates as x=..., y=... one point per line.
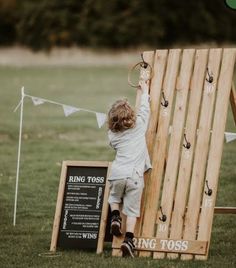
x=201, y=151
x=216, y=145
x=148, y=56
x=187, y=154
x=233, y=101
x=168, y=191
x=166, y=245
x=160, y=145
x=57, y=216
x=159, y=65
x=155, y=95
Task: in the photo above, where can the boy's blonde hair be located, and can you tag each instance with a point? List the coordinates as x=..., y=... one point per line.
x=121, y=116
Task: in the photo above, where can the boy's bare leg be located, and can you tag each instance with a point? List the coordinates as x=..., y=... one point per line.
x=130, y=224
x=115, y=206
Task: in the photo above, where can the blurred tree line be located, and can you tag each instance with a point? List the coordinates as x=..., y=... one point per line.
x=114, y=23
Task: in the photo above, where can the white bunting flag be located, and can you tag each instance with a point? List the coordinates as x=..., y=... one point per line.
x=230, y=136
x=37, y=101
x=68, y=110
x=101, y=119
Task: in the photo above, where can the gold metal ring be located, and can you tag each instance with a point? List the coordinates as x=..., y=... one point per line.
x=142, y=65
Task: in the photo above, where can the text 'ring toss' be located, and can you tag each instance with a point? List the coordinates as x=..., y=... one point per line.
x=145, y=72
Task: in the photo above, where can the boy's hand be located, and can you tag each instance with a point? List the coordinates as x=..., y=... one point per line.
x=144, y=85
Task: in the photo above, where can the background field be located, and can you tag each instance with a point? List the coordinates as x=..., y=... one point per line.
x=49, y=138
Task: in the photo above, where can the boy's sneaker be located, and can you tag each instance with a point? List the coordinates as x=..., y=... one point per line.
x=127, y=248
x=116, y=225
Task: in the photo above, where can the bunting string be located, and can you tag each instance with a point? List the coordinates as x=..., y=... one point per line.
x=68, y=109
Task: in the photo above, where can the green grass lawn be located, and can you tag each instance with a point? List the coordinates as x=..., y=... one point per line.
x=49, y=138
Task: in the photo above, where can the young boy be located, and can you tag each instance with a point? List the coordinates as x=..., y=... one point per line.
x=127, y=136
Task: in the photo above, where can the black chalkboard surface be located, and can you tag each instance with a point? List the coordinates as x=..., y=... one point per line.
x=81, y=213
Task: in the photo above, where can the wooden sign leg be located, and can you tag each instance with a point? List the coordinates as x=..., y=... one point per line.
x=233, y=101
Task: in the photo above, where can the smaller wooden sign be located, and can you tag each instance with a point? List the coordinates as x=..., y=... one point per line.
x=82, y=207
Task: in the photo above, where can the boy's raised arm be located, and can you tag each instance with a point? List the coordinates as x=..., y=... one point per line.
x=144, y=108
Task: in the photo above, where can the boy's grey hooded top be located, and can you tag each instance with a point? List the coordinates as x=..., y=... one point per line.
x=130, y=145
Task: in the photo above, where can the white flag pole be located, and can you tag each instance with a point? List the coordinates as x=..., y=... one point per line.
x=19, y=150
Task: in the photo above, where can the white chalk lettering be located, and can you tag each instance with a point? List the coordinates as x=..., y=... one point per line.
x=65, y=220
x=76, y=178
x=95, y=179
x=99, y=198
x=89, y=235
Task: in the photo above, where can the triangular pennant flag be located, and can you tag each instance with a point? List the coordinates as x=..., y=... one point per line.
x=68, y=110
x=37, y=101
x=101, y=119
x=230, y=136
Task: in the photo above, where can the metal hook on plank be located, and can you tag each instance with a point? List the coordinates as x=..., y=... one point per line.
x=210, y=77
x=163, y=216
x=165, y=103
x=188, y=144
x=209, y=191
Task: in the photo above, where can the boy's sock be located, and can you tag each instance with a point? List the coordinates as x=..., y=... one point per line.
x=115, y=213
x=129, y=235
x=116, y=223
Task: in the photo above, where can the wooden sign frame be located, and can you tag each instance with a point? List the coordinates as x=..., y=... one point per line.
x=60, y=196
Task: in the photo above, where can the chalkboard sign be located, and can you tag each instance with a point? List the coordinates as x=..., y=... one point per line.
x=82, y=207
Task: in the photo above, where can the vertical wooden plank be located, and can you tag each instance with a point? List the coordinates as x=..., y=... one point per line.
x=148, y=56
x=233, y=101
x=216, y=146
x=159, y=149
x=168, y=190
x=187, y=154
x=201, y=152
x=103, y=221
x=155, y=93
x=57, y=216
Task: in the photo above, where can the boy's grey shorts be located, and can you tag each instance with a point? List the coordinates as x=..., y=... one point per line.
x=130, y=190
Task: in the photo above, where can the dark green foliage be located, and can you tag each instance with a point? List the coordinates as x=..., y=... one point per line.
x=115, y=23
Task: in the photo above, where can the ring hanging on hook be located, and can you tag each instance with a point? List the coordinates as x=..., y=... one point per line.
x=146, y=72
x=165, y=103
x=209, y=191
